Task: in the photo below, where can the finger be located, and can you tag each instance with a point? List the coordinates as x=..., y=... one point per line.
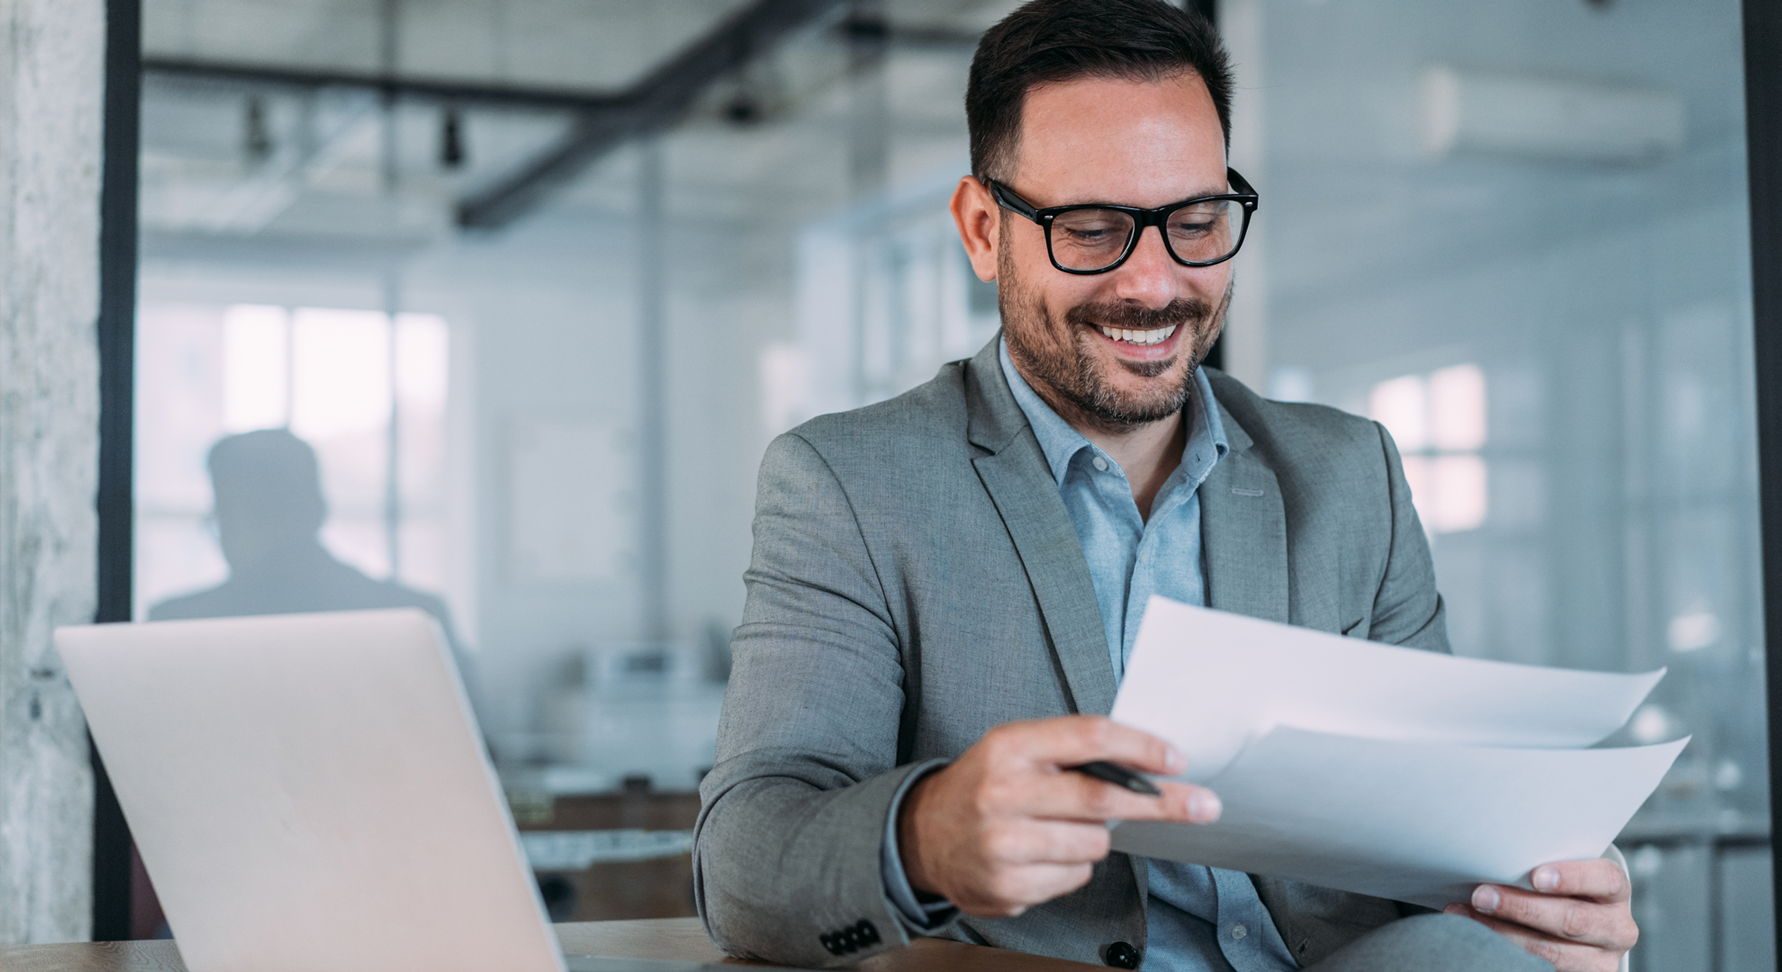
x=1598, y=878
x=1564, y=956
x=1076, y=796
x=1604, y=925
x=1072, y=740
x=1046, y=842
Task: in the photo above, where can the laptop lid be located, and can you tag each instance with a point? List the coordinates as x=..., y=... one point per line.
x=311, y=792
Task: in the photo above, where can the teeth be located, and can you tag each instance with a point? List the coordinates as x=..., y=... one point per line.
x=1157, y=336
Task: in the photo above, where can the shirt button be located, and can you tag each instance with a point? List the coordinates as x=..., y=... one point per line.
x=1239, y=931
x=1101, y=464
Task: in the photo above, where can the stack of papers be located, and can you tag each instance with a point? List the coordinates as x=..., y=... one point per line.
x=1386, y=771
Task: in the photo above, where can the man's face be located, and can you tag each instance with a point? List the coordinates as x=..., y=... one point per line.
x=1142, y=144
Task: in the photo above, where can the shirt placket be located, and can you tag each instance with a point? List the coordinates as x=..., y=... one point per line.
x=1113, y=493
x=1143, y=578
x=1245, y=934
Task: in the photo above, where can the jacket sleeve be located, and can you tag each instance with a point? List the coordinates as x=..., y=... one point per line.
x=786, y=852
x=1407, y=609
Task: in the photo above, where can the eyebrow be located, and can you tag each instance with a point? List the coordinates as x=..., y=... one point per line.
x=1197, y=194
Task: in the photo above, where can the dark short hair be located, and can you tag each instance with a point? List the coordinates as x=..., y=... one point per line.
x=1047, y=41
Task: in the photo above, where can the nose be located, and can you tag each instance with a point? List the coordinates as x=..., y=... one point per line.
x=1150, y=277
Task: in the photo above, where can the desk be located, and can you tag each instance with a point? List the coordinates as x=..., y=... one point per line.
x=607, y=890
x=664, y=938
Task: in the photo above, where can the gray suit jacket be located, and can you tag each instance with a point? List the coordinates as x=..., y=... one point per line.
x=916, y=581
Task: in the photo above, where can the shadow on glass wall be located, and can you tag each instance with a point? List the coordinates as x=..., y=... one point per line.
x=268, y=520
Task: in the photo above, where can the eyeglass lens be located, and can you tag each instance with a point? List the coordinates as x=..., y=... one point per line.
x=1091, y=239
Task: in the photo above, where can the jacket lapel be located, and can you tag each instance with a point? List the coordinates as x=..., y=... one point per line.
x=1020, y=483
x=1243, y=532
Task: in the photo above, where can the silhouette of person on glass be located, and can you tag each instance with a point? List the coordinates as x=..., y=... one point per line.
x=269, y=514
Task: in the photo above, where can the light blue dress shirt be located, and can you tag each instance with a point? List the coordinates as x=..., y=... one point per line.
x=1198, y=919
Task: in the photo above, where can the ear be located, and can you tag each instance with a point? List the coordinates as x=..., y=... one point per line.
x=980, y=222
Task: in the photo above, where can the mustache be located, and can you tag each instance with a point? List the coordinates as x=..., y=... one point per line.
x=1131, y=317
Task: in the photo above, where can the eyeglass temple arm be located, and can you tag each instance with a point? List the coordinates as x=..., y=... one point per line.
x=1239, y=183
x=1006, y=198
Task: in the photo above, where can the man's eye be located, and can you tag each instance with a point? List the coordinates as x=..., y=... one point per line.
x=1091, y=227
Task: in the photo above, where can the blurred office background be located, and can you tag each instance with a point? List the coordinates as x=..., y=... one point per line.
x=535, y=282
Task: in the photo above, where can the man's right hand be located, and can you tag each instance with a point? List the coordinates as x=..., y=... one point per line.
x=1007, y=826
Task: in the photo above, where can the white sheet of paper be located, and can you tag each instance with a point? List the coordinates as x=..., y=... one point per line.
x=1211, y=682
x=1417, y=822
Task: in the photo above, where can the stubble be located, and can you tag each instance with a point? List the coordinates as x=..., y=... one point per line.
x=1058, y=354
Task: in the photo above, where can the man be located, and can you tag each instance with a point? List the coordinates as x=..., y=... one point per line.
x=945, y=587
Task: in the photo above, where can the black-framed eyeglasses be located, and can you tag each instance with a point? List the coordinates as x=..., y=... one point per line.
x=1097, y=237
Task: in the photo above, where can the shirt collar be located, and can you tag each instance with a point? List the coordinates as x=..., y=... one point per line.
x=1060, y=442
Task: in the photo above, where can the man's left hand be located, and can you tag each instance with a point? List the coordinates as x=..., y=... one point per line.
x=1578, y=918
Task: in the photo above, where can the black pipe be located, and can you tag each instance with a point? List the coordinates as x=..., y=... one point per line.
x=658, y=100
x=236, y=76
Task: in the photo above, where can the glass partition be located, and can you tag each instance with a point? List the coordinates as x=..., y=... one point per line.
x=1514, y=233
x=1517, y=236
x=540, y=423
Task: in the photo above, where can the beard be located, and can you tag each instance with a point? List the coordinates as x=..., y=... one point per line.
x=1059, y=354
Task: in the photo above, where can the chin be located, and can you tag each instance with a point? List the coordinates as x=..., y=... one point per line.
x=1154, y=371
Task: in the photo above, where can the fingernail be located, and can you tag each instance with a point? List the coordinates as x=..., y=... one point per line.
x=1454, y=909
x=1485, y=898
x=1204, y=807
x=1174, y=759
x=1545, y=879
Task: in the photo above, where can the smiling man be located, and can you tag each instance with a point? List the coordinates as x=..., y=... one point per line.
x=946, y=587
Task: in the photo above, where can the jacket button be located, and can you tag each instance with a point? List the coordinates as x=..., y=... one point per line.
x=1120, y=955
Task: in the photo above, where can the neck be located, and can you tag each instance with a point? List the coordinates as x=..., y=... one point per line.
x=1147, y=453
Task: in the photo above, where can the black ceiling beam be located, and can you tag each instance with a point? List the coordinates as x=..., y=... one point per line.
x=657, y=101
x=234, y=76
x=447, y=91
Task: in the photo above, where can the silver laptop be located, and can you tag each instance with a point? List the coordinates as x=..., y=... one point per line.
x=311, y=792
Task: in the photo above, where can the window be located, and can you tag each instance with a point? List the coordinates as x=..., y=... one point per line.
x=367, y=395
x=1439, y=422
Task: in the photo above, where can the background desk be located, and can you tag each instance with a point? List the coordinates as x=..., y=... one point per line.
x=664, y=938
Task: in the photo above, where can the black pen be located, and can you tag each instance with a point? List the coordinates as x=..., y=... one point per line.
x=1118, y=775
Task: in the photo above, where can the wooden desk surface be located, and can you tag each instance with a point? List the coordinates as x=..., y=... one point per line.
x=664, y=938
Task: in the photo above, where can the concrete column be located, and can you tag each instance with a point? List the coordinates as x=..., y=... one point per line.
x=51, y=95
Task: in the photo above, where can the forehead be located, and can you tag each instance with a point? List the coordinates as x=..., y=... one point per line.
x=1114, y=140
